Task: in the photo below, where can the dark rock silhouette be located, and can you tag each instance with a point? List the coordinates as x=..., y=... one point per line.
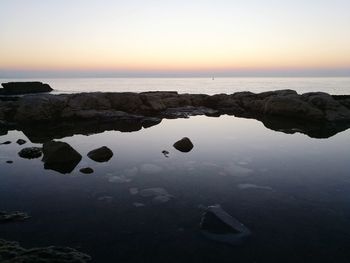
x=102, y=154
x=11, y=252
x=60, y=157
x=8, y=217
x=86, y=170
x=30, y=152
x=127, y=111
x=21, y=141
x=19, y=88
x=5, y=143
x=183, y=145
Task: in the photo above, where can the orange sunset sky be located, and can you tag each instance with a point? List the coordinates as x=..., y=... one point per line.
x=195, y=37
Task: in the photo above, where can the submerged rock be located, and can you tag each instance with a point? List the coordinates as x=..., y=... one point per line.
x=30, y=153
x=119, y=179
x=9, y=162
x=102, y=154
x=254, y=186
x=6, y=217
x=86, y=170
x=137, y=204
x=5, y=143
x=21, y=141
x=60, y=157
x=150, y=168
x=219, y=226
x=237, y=170
x=160, y=195
x=183, y=145
x=12, y=252
x=133, y=191
x=18, y=88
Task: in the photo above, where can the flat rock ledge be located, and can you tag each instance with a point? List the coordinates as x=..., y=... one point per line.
x=284, y=110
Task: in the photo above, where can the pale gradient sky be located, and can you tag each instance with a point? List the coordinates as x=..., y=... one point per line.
x=182, y=37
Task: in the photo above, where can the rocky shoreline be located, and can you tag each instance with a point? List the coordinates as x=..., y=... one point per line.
x=318, y=115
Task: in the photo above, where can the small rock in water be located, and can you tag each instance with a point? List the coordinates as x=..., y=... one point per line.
x=9, y=162
x=130, y=172
x=30, y=153
x=105, y=198
x=237, y=170
x=184, y=145
x=219, y=226
x=86, y=170
x=102, y=154
x=160, y=199
x=136, y=204
x=119, y=179
x=5, y=143
x=133, y=191
x=165, y=153
x=150, y=168
x=254, y=186
x=160, y=195
x=21, y=141
x=150, y=192
x=6, y=217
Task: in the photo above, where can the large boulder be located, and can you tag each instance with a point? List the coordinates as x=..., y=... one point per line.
x=291, y=106
x=333, y=110
x=60, y=157
x=183, y=145
x=39, y=108
x=102, y=154
x=19, y=88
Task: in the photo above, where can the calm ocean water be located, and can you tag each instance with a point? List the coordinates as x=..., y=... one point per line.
x=196, y=85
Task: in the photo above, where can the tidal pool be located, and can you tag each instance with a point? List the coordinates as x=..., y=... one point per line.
x=290, y=190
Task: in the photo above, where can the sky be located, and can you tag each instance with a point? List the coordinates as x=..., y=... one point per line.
x=174, y=38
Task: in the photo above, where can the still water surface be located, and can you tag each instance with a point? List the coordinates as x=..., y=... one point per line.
x=291, y=191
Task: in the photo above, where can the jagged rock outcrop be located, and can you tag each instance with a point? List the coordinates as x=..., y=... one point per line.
x=148, y=108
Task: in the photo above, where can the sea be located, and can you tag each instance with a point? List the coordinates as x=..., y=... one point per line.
x=210, y=86
x=290, y=189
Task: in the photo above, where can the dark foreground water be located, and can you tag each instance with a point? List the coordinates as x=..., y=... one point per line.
x=291, y=191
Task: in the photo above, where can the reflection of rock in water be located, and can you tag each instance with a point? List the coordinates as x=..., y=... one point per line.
x=102, y=154
x=60, y=157
x=219, y=226
x=254, y=186
x=11, y=252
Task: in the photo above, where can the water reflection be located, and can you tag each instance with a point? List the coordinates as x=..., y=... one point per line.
x=291, y=191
